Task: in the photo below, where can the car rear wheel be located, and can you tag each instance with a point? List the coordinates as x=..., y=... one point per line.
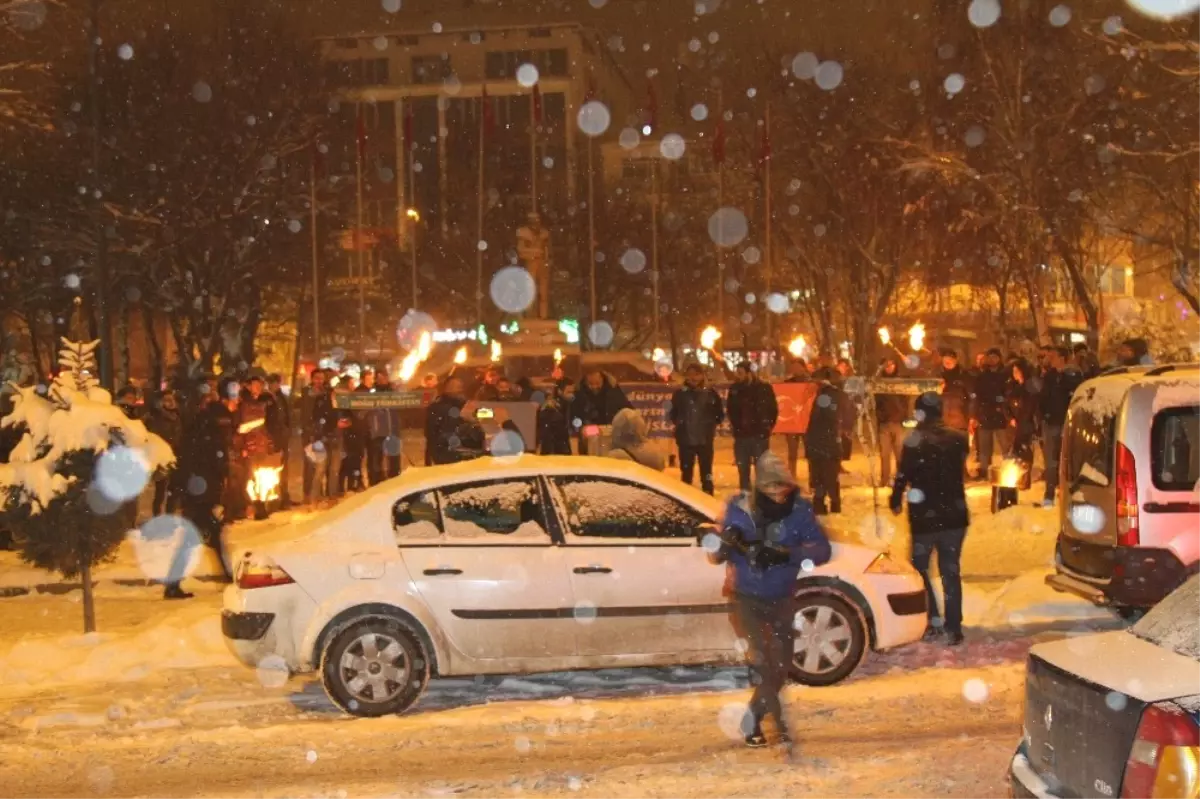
x=831, y=639
x=374, y=667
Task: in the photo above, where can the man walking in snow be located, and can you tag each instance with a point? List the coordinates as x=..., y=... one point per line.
x=768, y=537
x=696, y=411
x=752, y=410
x=1058, y=386
x=930, y=476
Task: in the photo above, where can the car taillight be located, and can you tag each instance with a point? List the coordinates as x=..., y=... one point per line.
x=260, y=574
x=1127, y=498
x=1165, y=758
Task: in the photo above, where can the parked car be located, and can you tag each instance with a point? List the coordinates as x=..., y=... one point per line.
x=1128, y=498
x=534, y=564
x=1116, y=713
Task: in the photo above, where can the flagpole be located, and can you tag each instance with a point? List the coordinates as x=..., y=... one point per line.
x=720, y=216
x=415, y=219
x=316, y=281
x=654, y=238
x=591, y=188
x=533, y=150
x=483, y=101
x=362, y=298
x=767, y=211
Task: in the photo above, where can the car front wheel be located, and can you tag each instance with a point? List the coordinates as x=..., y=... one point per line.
x=831, y=639
x=374, y=667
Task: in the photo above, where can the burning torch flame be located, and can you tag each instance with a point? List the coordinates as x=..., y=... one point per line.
x=797, y=346
x=253, y=424
x=460, y=356
x=659, y=354
x=916, y=337
x=263, y=486
x=497, y=351
x=408, y=367
x=557, y=356
x=1010, y=474
x=708, y=338
x=885, y=335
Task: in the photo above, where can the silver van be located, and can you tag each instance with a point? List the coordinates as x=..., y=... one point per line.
x=1129, y=507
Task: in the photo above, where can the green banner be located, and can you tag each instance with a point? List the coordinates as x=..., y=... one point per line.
x=364, y=401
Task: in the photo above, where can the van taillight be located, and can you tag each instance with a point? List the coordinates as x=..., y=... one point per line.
x=1165, y=757
x=1127, y=498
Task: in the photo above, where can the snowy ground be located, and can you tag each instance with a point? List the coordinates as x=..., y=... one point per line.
x=154, y=705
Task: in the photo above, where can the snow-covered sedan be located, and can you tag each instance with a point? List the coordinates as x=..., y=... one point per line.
x=531, y=564
x=1116, y=713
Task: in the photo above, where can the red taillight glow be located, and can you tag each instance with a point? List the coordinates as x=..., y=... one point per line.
x=261, y=575
x=1127, y=498
x=1163, y=759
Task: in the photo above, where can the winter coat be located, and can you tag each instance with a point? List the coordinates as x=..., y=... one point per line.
x=205, y=451
x=752, y=409
x=442, y=420
x=631, y=441
x=317, y=417
x=1022, y=409
x=696, y=413
x=282, y=432
x=554, y=430
x=790, y=533
x=891, y=408
x=1057, y=390
x=251, y=411
x=991, y=393
x=167, y=425
x=930, y=474
x=956, y=398
x=598, y=407
x=487, y=393
x=827, y=422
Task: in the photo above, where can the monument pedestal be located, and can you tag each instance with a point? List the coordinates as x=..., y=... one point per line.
x=539, y=332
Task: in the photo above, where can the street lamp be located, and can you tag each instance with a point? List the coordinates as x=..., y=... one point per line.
x=415, y=217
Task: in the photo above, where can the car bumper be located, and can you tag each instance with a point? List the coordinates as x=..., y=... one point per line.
x=264, y=622
x=1024, y=782
x=1140, y=577
x=898, y=602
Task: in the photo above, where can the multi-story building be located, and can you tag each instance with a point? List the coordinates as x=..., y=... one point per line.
x=459, y=144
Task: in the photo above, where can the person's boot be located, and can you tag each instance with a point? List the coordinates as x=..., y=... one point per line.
x=756, y=739
x=173, y=591
x=954, y=638
x=931, y=633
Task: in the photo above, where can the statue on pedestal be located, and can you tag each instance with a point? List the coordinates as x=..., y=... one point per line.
x=533, y=247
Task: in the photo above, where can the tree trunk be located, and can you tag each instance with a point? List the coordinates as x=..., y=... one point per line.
x=89, y=601
x=1079, y=284
x=1179, y=279
x=34, y=349
x=157, y=367
x=673, y=337
x=122, y=333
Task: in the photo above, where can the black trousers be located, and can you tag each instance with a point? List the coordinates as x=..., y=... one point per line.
x=948, y=545
x=767, y=626
x=375, y=461
x=688, y=455
x=823, y=477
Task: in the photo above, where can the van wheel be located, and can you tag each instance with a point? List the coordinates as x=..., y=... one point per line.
x=831, y=639
x=1130, y=614
x=374, y=667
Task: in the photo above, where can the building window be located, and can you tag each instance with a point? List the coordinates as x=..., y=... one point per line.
x=539, y=33
x=357, y=72
x=502, y=64
x=555, y=63
x=408, y=40
x=430, y=68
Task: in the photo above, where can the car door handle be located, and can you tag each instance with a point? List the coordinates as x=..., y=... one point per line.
x=592, y=570
x=441, y=572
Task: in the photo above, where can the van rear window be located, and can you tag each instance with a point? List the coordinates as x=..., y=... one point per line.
x=1088, y=447
x=1175, y=449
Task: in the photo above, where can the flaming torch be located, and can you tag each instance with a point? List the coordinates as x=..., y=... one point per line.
x=797, y=346
x=885, y=336
x=263, y=487
x=497, y=351
x=916, y=337
x=460, y=356
x=558, y=356
x=416, y=356
x=708, y=338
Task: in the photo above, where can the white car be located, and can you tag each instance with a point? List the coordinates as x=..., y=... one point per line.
x=531, y=564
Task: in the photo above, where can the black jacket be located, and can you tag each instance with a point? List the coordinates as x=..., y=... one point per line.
x=991, y=394
x=259, y=439
x=206, y=451
x=930, y=474
x=554, y=431
x=318, y=420
x=598, y=407
x=442, y=420
x=696, y=412
x=752, y=409
x=1057, y=390
x=827, y=422
x=1022, y=407
x=891, y=408
x=168, y=426
x=956, y=398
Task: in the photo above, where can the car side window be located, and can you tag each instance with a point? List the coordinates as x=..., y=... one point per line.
x=600, y=507
x=415, y=518
x=494, y=512
x=1174, y=436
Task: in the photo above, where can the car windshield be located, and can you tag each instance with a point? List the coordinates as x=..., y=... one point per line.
x=1174, y=623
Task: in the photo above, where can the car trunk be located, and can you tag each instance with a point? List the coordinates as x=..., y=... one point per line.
x=1087, y=472
x=1079, y=732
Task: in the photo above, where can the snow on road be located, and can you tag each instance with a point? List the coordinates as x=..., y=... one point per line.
x=153, y=704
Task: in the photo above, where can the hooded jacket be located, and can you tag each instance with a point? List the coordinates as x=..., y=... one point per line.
x=631, y=440
x=790, y=529
x=930, y=474
x=696, y=412
x=598, y=407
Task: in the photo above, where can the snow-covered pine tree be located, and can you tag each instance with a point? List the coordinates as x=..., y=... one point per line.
x=1169, y=340
x=80, y=460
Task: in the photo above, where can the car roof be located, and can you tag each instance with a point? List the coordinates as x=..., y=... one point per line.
x=424, y=478
x=1103, y=395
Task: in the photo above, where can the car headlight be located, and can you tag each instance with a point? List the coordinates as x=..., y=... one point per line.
x=886, y=564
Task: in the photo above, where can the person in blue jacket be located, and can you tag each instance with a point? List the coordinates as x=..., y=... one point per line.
x=767, y=537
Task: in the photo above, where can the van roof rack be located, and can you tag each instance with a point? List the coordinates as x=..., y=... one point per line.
x=1171, y=367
